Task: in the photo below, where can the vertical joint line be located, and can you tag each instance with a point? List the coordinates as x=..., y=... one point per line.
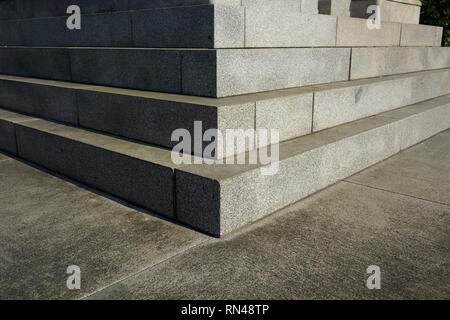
x=181, y=73
x=312, y=109
x=15, y=138
x=337, y=28
x=69, y=54
x=174, y=192
x=350, y=65
x=77, y=106
x=131, y=31
x=245, y=26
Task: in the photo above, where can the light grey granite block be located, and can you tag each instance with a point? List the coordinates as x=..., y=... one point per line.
x=246, y=71
x=359, y=99
x=375, y=62
x=352, y=32
x=291, y=115
x=421, y=35
x=271, y=5
x=288, y=28
x=309, y=6
x=393, y=11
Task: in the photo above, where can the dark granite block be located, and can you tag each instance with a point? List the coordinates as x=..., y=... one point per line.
x=8, y=137
x=143, y=183
x=9, y=10
x=103, y=30
x=49, y=102
x=153, y=70
x=198, y=202
x=174, y=27
x=9, y=33
x=148, y=120
x=38, y=8
x=54, y=8
x=199, y=69
x=50, y=63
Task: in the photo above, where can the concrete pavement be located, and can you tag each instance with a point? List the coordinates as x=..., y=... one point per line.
x=395, y=215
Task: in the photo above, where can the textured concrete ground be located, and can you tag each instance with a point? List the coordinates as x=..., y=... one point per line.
x=395, y=215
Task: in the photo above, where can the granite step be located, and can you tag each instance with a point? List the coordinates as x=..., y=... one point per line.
x=198, y=72
x=219, y=198
x=219, y=72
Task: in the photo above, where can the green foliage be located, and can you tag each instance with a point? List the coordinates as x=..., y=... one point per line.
x=437, y=13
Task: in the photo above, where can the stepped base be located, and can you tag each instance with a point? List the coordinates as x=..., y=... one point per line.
x=151, y=117
x=220, y=198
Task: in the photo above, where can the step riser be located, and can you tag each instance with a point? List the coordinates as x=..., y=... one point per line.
x=210, y=73
x=216, y=73
x=153, y=120
x=376, y=62
x=420, y=35
x=341, y=105
x=355, y=33
x=246, y=198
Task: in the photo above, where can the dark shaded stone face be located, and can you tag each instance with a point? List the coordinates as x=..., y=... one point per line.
x=25, y=9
